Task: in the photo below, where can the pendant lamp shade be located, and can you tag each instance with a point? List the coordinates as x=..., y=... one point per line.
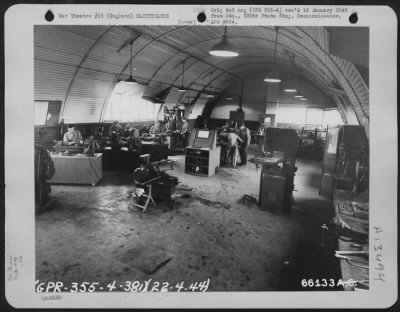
x=290, y=87
x=159, y=97
x=224, y=48
x=273, y=76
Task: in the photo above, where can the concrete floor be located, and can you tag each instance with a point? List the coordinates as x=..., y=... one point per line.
x=94, y=235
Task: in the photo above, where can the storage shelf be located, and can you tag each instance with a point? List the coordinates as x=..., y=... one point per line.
x=207, y=161
x=198, y=174
x=196, y=157
x=197, y=165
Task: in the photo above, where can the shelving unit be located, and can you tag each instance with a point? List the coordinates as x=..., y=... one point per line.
x=202, y=155
x=346, y=160
x=202, y=162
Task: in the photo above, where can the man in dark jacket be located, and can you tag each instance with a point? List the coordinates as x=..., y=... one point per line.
x=116, y=131
x=244, y=134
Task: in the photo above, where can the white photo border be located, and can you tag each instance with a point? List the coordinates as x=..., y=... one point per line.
x=20, y=20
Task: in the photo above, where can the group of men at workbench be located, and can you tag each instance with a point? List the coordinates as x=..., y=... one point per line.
x=172, y=126
x=236, y=141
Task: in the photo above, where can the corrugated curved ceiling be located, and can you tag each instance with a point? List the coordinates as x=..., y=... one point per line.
x=80, y=65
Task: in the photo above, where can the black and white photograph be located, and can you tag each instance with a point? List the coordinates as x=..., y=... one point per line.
x=189, y=157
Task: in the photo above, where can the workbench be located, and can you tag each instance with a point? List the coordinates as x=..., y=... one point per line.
x=350, y=271
x=77, y=169
x=157, y=151
x=352, y=211
x=116, y=159
x=352, y=217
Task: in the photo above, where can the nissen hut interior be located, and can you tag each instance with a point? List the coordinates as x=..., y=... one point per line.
x=202, y=158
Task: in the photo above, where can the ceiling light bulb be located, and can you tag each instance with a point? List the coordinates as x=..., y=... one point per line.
x=288, y=90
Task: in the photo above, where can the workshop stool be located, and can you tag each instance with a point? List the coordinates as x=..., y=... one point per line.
x=139, y=191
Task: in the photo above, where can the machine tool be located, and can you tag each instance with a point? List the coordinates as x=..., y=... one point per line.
x=277, y=178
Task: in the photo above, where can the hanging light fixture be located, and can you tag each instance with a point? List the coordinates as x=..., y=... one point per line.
x=130, y=80
x=159, y=97
x=182, y=89
x=224, y=48
x=290, y=88
x=273, y=76
x=291, y=85
x=299, y=95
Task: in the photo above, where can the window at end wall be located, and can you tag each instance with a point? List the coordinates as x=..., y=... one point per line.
x=314, y=116
x=129, y=106
x=40, y=112
x=332, y=117
x=291, y=115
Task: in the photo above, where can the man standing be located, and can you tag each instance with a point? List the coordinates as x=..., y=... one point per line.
x=155, y=129
x=184, y=131
x=116, y=131
x=169, y=125
x=244, y=134
x=233, y=141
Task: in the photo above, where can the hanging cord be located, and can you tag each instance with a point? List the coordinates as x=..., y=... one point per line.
x=300, y=86
x=276, y=42
x=131, y=60
x=183, y=72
